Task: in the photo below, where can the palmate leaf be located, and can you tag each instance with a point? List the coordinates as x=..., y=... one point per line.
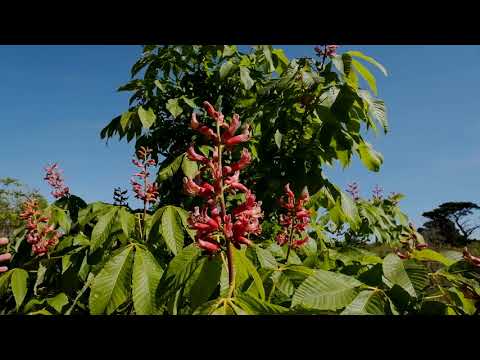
x=127, y=221
x=243, y=263
x=325, y=290
x=172, y=230
x=410, y=276
x=266, y=259
x=178, y=271
x=111, y=287
x=146, y=276
x=368, y=302
x=206, y=279
x=102, y=229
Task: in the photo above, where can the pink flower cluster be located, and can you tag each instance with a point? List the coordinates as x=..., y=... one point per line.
x=328, y=50
x=295, y=220
x=147, y=192
x=40, y=235
x=55, y=180
x=212, y=221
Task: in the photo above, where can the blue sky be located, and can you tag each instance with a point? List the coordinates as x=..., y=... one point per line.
x=56, y=99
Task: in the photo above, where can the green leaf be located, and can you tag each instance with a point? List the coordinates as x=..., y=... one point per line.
x=184, y=215
x=179, y=271
x=325, y=290
x=267, y=51
x=174, y=108
x=255, y=306
x=60, y=217
x=32, y=304
x=124, y=119
x=368, y=302
x=127, y=221
x=226, y=69
x=242, y=262
x=283, y=283
x=102, y=229
x=18, y=283
x=42, y=269
x=370, y=158
x=66, y=263
x=431, y=255
x=147, y=117
x=366, y=74
x=206, y=281
x=58, y=302
x=266, y=259
x=278, y=138
x=369, y=59
x=245, y=78
x=111, y=287
x=169, y=170
x=189, y=167
x=349, y=208
x=409, y=276
x=172, y=232
x=146, y=277
x=189, y=102
x=467, y=305
x=4, y=282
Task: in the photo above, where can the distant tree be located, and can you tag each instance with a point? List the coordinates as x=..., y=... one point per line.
x=449, y=223
x=12, y=195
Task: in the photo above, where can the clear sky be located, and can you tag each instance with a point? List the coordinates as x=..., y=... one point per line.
x=56, y=99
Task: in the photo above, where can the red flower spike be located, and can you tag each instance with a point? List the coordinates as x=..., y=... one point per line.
x=147, y=192
x=295, y=220
x=244, y=219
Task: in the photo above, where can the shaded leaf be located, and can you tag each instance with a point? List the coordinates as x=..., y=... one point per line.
x=169, y=170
